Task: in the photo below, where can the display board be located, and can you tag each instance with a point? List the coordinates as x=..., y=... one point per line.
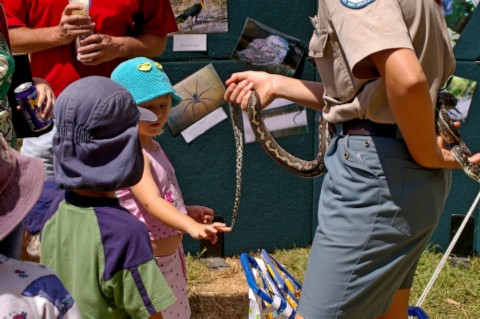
x=277, y=209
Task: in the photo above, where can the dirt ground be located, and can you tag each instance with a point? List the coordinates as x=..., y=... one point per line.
x=220, y=294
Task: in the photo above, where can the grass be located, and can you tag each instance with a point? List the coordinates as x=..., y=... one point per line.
x=456, y=291
x=223, y=293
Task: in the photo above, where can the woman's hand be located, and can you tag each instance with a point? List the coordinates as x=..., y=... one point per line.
x=447, y=154
x=241, y=84
x=475, y=159
x=271, y=86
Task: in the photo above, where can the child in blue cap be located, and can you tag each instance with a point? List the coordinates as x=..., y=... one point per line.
x=100, y=251
x=156, y=199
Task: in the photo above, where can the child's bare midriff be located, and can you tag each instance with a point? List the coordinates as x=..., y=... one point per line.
x=166, y=246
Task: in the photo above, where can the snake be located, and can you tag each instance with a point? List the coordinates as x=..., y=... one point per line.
x=289, y=162
x=450, y=134
x=444, y=126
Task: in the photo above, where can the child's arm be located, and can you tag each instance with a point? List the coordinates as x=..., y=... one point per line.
x=147, y=192
x=201, y=214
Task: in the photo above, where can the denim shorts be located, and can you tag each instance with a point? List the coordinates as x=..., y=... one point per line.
x=376, y=214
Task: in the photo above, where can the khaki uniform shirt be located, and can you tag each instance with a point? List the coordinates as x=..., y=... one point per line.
x=344, y=38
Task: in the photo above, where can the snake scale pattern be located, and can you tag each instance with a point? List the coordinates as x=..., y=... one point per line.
x=286, y=160
x=289, y=162
x=444, y=126
x=237, y=125
x=450, y=134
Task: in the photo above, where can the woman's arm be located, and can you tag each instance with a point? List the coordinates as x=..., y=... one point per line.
x=272, y=86
x=409, y=98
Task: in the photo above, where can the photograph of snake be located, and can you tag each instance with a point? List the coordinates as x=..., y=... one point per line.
x=202, y=93
x=264, y=48
x=201, y=16
x=463, y=89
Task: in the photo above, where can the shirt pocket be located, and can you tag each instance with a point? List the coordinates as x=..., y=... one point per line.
x=331, y=63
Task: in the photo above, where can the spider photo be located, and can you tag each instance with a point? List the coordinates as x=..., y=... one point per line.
x=202, y=93
x=194, y=99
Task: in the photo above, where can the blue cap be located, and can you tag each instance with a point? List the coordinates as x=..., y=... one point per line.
x=145, y=79
x=96, y=145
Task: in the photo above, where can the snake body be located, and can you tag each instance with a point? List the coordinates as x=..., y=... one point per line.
x=444, y=126
x=450, y=134
x=286, y=160
x=237, y=125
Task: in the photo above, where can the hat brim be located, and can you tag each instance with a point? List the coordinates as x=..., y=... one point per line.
x=176, y=98
x=147, y=115
x=22, y=193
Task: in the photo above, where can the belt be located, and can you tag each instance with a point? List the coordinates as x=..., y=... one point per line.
x=369, y=128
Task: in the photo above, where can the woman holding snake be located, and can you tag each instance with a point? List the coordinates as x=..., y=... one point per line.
x=388, y=173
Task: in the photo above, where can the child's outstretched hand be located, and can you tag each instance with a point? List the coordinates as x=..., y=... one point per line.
x=201, y=214
x=209, y=231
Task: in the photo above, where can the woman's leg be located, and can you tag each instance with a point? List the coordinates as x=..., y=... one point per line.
x=399, y=307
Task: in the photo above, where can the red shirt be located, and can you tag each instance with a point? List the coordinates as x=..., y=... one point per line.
x=59, y=65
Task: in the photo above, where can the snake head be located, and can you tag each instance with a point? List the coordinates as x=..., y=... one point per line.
x=446, y=99
x=461, y=153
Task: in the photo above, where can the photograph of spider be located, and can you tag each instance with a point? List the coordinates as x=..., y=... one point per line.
x=194, y=99
x=202, y=93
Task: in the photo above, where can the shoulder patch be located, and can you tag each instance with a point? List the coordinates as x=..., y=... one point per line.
x=356, y=4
